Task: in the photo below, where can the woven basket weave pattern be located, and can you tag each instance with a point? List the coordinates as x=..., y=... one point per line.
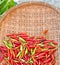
x=32, y=18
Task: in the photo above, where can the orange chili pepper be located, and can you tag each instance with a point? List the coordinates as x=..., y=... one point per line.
x=33, y=58
x=52, y=51
x=12, y=52
x=23, y=52
x=44, y=32
x=8, y=53
x=7, y=61
x=53, y=63
x=17, y=47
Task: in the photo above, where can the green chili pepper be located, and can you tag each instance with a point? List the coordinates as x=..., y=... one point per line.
x=21, y=48
x=44, y=49
x=29, y=61
x=15, y=60
x=51, y=44
x=22, y=60
x=22, y=40
x=19, y=54
x=31, y=51
x=8, y=44
x=26, y=51
x=34, y=51
x=41, y=44
x=8, y=64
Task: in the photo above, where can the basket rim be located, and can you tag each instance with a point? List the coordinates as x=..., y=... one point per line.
x=26, y=4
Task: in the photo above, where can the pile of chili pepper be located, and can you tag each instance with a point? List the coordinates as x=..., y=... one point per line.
x=22, y=49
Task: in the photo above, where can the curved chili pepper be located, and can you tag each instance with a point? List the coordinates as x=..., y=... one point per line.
x=53, y=62
x=44, y=32
x=21, y=49
x=48, y=60
x=1, y=57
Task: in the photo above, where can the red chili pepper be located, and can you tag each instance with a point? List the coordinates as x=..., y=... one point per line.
x=47, y=60
x=53, y=57
x=39, y=62
x=28, y=64
x=47, y=64
x=32, y=37
x=12, y=63
x=47, y=41
x=16, y=43
x=23, y=35
x=39, y=55
x=46, y=51
x=52, y=51
x=1, y=57
x=13, y=36
x=28, y=39
x=27, y=47
x=26, y=57
x=38, y=49
x=54, y=42
x=3, y=63
x=3, y=48
x=31, y=46
x=8, y=35
x=41, y=38
x=34, y=63
x=31, y=40
x=50, y=47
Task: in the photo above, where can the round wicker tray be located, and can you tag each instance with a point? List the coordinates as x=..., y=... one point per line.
x=33, y=18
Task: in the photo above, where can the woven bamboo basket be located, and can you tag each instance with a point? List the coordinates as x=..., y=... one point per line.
x=33, y=18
